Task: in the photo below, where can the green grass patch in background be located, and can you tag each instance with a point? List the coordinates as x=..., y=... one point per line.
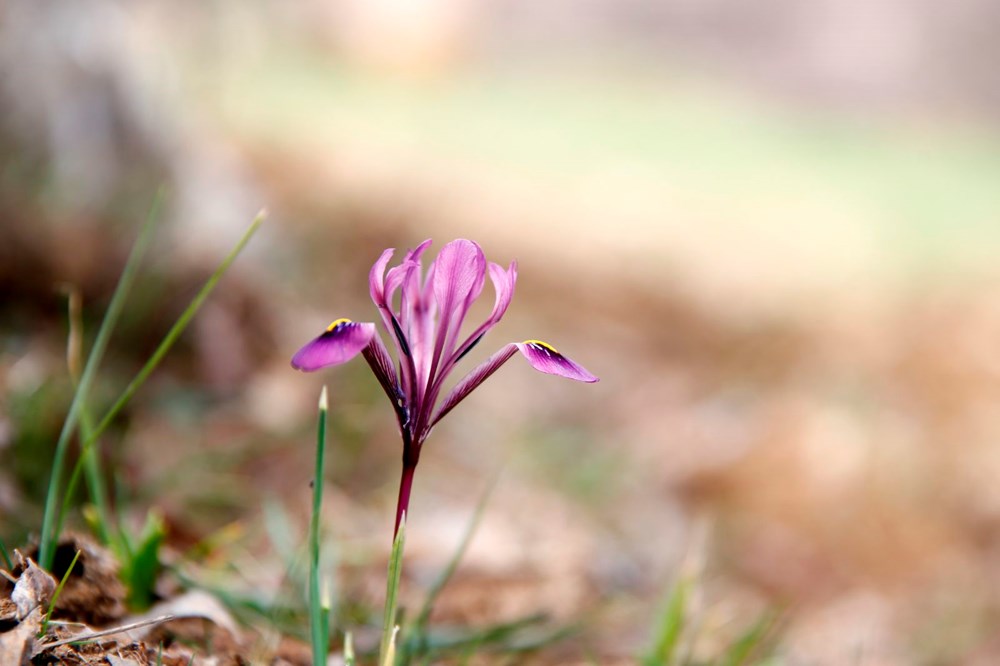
x=925, y=192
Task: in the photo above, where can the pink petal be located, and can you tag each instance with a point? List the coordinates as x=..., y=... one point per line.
x=340, y=342
x=459, y=272
x=376, y=277
x=544, y=358
x=473, y=380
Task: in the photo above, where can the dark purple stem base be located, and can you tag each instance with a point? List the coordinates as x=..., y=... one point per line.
x=403, y=503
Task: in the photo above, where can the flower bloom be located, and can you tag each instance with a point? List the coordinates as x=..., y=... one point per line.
x=425, y=328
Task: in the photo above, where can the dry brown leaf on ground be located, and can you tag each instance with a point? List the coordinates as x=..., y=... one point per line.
x=34, y=588
x=17, y=645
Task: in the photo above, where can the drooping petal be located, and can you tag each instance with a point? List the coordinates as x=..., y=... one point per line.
x=544, y=358
x=340, y=342
x=473, y=380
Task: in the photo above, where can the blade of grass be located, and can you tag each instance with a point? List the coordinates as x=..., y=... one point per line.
x=49, y=537
x=98, y=520
x=390, y=653
x=456, y=557
x=670, y=625
x=510, y=638
x=319, y=635
x=95, y=519
x=175, y=331
x=168, y=341
x=391, y=594
x=6, y=556
x=752, y=639
x=90, y=461
x=55, y=595
x=416, y=643
x=278, y=526
x=141, y=569
x=348, y=649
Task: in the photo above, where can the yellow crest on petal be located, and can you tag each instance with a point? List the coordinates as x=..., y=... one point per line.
x=539, y=343
x=337, y=323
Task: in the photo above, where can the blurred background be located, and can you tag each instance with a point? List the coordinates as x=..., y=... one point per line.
x=771, y=229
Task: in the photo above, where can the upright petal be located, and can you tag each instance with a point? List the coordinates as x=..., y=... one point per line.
x=396, y=277
x=503, y=284
x=405, y=277
x=544, y=358
x=376, y=277
x=340, y=342
x=459, y=273
x=381, y=292
x=416, y=252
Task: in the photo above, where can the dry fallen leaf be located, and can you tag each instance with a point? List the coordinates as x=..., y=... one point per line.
x=16, y=645
x=34, y=588
x=192, y=604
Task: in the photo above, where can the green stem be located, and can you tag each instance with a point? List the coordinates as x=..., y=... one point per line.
x=386, y=648
x=319, y=620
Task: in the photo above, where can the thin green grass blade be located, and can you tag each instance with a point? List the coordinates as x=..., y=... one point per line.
x=142, y=568
x=390, y=653
x=752, y=640
x=49, y=536
x=510, y=638
x=175, y=331
x=391, y=595
x=278, y=527
x=95, y=484
x=348, y=649
x=452, y=565
x=90, y=460
x=670, y=625
x=55, y=595
x=90, y=442
x=97, y=518
x=415, y=644
x=318, y=633
x=467, y=657
x=497, y=636
x=6, y=556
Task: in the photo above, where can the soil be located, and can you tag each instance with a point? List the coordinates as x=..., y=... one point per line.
x=90, y=625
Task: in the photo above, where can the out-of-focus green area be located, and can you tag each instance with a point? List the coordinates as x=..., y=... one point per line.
x=772, y=234
x=926, y=189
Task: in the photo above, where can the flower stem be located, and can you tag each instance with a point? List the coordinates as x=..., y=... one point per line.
x=403, y=503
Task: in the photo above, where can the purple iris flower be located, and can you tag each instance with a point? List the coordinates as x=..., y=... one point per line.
x=426, y=329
